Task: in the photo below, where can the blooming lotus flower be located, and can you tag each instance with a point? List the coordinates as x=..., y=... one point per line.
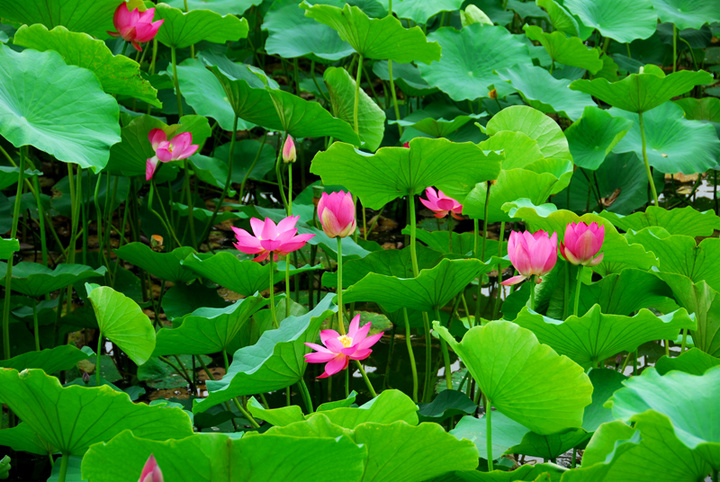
x=441, y=204
x=288, y=151
x=531, y=254
x=582, y=243
x=340, y=349
x=269, y=238
x=151, y=472
x=181, y=147
x=135, y=26
x=337, y=214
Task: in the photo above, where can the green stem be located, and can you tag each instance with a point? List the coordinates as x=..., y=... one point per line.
x=246, y=414
x=228, y=181
x=367, y=380
x=645, y=158
x=287, y=286
x=715, y=475
x=566, y=292
x=578, y=285
x=501, y=238
x=36, y=327
x=427, y=389
x=411, y=354
x=488, y=432
x=413, y=235
x=278, y=173
x=8, y=274
x=305, y=393
x=64, y=460
x=97, y=362
x=176, y=81
x=445, y=354
x=226, y=360
x=356, y=104
x=289, y=193
x=99, y=214
x=684, y=340
x=252, y=166
x=674, y=48
x=531, y=301
x=394, y=96
x=341, y=311
x=191, y=205
x=272, y=291
x=166, y=221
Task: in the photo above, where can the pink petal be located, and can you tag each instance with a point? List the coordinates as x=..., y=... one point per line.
x=514, y=280
x=326, y=335
x=354, y=325
x=287, y=224
x=150, y=167
x=337, y=364
x=257, y=226
x=316, y=357
x=156, y=136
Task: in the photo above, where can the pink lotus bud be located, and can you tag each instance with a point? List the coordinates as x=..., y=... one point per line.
x=135, y=26
x=336, y=212
x=151, y=472
x=288, y=151
x=531, y=254
x=441, y=204
x=582, y=243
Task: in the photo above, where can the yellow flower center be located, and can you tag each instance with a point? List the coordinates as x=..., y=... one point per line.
x=345, y=340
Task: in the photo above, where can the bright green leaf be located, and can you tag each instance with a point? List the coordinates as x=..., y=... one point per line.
x=594, y=135
x=182, y=29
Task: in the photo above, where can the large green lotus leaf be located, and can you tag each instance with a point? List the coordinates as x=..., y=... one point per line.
x=566, y=50
x=122, y=321
x=278, y=417
x=594, y=135
x=255, y=76
x=371, y=119
x=620, y=184
x=590, y=339
x=550, y=447
x=687, y=220
x=241, y=276
x=406, y=76
x=535, y=125
x=619, y=253
x=223, y=7
x=509, y=186
x=693, y=361
x=205, y=94
x=506, y=433
x=680, y=254
x=63, y=357
x=117, y=74
x=623, y=22
x=563, y=20
x=375, y=38
x=523, y=379
x=461, y=244
x=394, y=172
x=183, y=29
x=403, y=452
x=207, y=330
x=651, y=451
x=432, y=289
x=291, y=34
x=388, y=262
x=544, y=92
x=129, y=157
x=469, y=57
x=216, y=457
x=276, y=361
x=689, y=402
x=73, y=418
x=437, y=119
x=390, y=406
x=166, y=266
x=34, y=279
x=626, y=292
x=22, y=438
x=707, y=108
x=674, y=144
x=90, y=16
x=687, y=13
x=419, y=11
x=645, y=91
x=704, y=302
x=65, y=114
x=605, y=383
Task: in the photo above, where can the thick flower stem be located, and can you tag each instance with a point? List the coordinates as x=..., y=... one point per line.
x=413, y=234
x=305, y=393
x=97, y=363
x=445, y=354
x=413, y=366
x=578, y=285
x=394, y=95
x=228, y=181
x=287, y=286
x=356, y=104
x=488, y=432
x=64, y=461
x=246, y=414
x=176, y=81
x=341, y=322
x=645, y=158
x=272, y=290
x=367, y=380
x=482, y=253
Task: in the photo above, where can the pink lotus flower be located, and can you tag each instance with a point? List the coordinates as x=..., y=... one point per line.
x=181, y=147
x=269, y=238
x=337, y=214
x=340, y=349
x=441, y=204
x=135, y=26
x=151, y=472
x=582, y=243
x=531, y=254
x=288, y=152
